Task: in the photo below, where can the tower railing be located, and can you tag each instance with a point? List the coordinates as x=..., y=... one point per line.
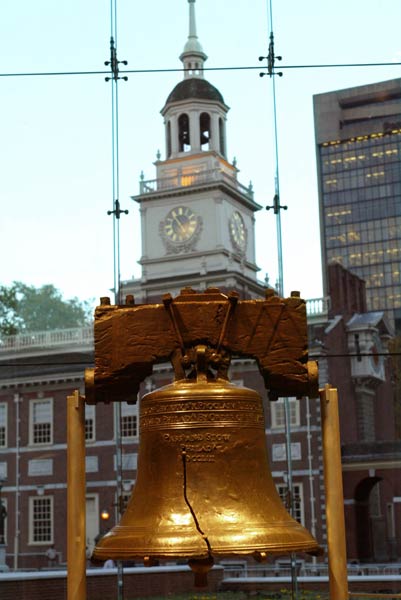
x=192, y=179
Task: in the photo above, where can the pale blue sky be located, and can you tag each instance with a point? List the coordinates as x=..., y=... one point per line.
x=55, y=151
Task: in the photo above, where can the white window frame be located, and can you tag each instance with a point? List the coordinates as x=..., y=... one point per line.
x=32, y=500
x=90, y=415
x=91, y=463
x=298, y=499
x=32, y=404
x=130, y=410
x=279, y=452
x=5, y=424
x=278, y=413
x=129, y=461
x=90, y=543
x=40, y=467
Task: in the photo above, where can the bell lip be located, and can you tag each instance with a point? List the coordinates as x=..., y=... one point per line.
x=101, y=554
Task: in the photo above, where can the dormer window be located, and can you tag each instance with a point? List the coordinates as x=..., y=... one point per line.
x=183, y=133
x=205, y=132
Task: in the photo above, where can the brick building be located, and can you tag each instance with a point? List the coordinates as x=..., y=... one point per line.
x=198, y=231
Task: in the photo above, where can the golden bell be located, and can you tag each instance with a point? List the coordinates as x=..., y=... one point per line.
x=203, y=488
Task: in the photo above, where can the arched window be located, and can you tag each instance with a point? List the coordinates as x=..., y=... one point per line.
x=222, y=138
x=169, y=139
x=205, y=132
x=183, y=133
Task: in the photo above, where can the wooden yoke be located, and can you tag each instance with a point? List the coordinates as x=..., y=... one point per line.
x=130, y=339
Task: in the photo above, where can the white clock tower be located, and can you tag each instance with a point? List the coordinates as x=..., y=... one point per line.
x=197, y=219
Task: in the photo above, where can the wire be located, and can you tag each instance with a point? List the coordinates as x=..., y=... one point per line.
x=178, y=70
x=90, y=362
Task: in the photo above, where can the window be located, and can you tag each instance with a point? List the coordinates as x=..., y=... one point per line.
x=4, y=508
x=3, y=425
x=41, y=520
x=92, y=520
x=91, y=464
x=41, y=421
x=168, y=139
x=40, y=466
x=278, y=413
x=297, y=500
x=129, y=420
x=90, y=422
x=205, y=131
x=279, y=451
x=183, y=133
x=129, y=462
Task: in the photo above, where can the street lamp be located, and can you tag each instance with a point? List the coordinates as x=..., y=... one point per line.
x=105, y=515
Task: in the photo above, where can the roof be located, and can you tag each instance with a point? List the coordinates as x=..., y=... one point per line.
x=375, y=319
x=196, y=88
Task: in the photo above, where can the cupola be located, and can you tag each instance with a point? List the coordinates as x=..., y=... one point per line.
x=194, y=112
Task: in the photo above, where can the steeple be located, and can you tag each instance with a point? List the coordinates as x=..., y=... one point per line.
x=194, y=112
x=192, y=56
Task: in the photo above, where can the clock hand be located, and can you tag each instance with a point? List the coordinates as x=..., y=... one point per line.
x=180, y=225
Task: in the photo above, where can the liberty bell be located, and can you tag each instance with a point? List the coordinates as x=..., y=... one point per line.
x=203, y=489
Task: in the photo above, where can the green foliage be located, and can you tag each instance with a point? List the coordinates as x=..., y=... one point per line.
x=200, y=596
x=24, y=308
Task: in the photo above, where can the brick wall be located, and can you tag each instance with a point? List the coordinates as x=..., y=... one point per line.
x=102, y=584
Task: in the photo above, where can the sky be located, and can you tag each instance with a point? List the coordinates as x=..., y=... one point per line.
x=55, y=131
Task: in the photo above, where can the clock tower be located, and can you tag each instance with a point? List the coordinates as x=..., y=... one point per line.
x=197, y=219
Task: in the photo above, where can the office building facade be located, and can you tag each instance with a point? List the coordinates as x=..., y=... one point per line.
x=358, y=142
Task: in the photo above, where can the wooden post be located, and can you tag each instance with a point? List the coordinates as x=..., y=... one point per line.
x=76, y=501
x=336, y=541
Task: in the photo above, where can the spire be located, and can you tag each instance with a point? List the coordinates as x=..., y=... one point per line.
x=192, y=56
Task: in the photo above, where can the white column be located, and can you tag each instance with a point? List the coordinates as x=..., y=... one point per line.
x=214, y=132
x=174, y=135
x=194, y=131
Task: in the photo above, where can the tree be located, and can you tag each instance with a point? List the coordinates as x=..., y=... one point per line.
x=24, y=308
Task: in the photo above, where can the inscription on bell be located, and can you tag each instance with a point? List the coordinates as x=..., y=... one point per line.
x=183, y=438
x=201, y=405
x=196, y=419
x=200, y=447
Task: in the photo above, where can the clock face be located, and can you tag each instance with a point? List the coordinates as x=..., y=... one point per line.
x=237, y=231
x=180, y=225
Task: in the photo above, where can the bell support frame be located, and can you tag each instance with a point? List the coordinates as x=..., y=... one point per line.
x=130, y=339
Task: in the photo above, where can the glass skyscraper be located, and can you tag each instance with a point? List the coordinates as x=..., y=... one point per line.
x=358, y=140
